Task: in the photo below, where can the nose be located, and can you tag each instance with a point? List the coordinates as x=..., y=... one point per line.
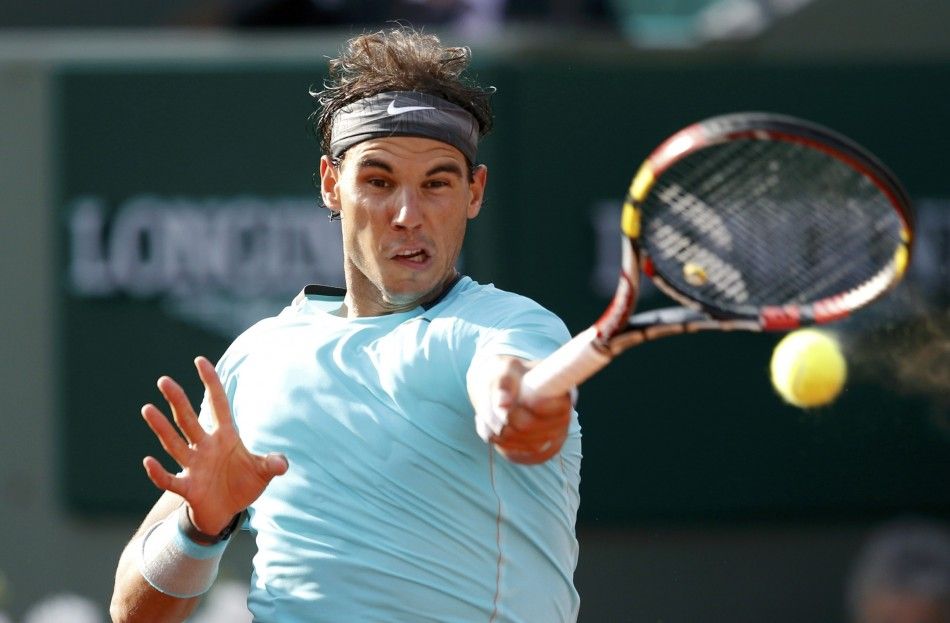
x=408, y=214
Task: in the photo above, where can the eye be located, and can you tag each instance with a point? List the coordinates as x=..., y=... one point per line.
x=438, y=183
x=378, y=182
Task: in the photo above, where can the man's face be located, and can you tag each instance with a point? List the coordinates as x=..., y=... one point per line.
x=404, y=202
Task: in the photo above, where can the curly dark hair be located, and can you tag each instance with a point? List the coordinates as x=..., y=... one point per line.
x=400, y=59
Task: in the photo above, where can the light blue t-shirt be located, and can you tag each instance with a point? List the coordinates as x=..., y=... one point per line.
x=393, y=509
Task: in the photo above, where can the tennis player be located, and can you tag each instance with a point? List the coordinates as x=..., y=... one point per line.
x=373, y=440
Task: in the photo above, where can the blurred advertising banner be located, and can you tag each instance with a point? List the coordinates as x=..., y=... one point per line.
x=215, y=263
x=187, y=211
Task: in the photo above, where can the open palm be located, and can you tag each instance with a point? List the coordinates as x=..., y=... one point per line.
x=220, y=477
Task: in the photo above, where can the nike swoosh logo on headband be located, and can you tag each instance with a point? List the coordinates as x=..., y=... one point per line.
x=398, y=110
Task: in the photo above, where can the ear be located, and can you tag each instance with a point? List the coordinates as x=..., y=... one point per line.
x=329, y=184
x=477, y=190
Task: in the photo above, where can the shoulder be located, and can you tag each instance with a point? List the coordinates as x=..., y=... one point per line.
x=493, y=307
x=251, y=339
x=483, y=318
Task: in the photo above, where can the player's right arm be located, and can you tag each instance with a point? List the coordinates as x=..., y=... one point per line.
x=173, y=559
x=523, y=431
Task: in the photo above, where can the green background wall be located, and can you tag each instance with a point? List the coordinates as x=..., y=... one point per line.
x=686, y=430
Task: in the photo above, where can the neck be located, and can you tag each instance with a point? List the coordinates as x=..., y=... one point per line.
x=371, y=301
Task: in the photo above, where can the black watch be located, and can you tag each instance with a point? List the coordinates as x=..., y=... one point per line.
x=201, y=538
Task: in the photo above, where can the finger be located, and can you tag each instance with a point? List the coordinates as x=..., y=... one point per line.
x=525, y=423
x=506, y=388
x=522, y=449
x=171, y=441
x=220, y=409
x=503, y=390
x=555, y=411
x=272, y=464
x=529, y=438
x=532, y=438
x=549, y=406
x=530, y=456
x=490, y=421
x=161, y=478
x=182, y=412
x=484, y=430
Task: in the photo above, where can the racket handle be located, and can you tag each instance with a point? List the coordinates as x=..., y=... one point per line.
x=561, y=371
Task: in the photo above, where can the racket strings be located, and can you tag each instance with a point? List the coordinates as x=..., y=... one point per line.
x=824, y=268
x=689, y=246
x=833, y=272
x=829, y=228
x=848, y=248
x=805, y=267
x=767, y=223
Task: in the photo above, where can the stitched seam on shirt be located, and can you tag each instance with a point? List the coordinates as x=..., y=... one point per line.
x=565, y=485
x=491, y=473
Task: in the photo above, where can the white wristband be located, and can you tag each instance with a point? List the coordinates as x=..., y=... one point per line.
x=174, y=564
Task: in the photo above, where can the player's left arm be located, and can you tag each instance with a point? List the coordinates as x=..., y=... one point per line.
x=524, y=431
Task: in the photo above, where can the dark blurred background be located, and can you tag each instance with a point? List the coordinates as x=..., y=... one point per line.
x=156, y=198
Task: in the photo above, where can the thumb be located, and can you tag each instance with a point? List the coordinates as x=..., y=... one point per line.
x=273, y=464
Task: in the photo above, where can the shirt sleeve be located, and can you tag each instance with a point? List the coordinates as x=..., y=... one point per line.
x=531, y=334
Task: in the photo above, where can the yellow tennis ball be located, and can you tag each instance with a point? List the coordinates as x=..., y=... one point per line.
x=808, y=369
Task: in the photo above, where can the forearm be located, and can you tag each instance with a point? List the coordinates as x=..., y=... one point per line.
x=134, y=599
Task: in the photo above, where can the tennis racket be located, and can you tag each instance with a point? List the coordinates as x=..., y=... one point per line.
x=749, y=221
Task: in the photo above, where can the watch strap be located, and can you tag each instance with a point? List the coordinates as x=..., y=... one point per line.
x=201, y=538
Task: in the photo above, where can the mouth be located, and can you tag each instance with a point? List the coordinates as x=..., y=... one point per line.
x=416, y=257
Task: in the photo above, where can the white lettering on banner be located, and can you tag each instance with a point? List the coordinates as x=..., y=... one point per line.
x=931, y=260
x=222, y=262
x=88, y=271
x=153, y=246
